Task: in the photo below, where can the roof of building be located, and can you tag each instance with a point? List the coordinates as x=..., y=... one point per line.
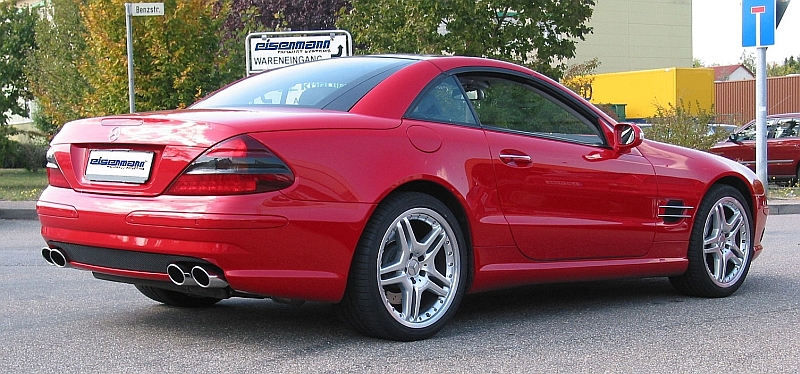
x=722, y=73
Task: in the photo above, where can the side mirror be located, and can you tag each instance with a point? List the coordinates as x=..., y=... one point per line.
x=627, y=135
x=734, y=137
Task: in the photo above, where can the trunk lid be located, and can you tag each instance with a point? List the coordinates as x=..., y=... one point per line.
x=142, y=154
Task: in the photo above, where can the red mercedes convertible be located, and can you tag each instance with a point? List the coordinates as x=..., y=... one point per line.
x=391, y=186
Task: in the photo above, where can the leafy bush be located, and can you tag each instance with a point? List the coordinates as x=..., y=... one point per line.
x=680, y=125
x=9, y=150
x=28, y=154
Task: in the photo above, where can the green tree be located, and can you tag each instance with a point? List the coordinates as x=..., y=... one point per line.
x=177, y=57
x=58, y=86
x=540, y=34
x=790, y=66
x=579, y=77
x=748, y=60
x=16, y=42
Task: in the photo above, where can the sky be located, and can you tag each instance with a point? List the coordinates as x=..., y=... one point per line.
x=717, y=33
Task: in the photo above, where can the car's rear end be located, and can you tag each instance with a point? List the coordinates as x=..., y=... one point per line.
x=187, y=205
x=195, y=201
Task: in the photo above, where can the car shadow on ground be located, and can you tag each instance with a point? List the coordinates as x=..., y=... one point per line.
x=257, y=320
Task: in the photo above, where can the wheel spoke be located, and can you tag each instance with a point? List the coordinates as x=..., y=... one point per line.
x=735, y=247
x=433, y=273
x=412, y=297
x=713, y=247
x=735, y=224
x=737, y=261
x=432, y=242
x=719, y=268
x=433, y=287
x=397, y=279
x=399, y=265
x=406, y=237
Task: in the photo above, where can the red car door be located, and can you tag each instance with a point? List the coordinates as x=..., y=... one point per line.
x=562, y=193
x=783, y=151
x=563, y=205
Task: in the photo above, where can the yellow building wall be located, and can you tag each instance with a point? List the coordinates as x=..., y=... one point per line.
x=643, y=91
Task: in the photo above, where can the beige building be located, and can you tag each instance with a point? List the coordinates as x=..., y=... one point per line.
x=633, y=35
x=31, y=2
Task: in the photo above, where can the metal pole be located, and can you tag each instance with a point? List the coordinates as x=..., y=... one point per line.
x=129, y=29
x=761, y=115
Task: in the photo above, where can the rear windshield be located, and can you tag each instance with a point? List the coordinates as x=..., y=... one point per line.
x=336, y=83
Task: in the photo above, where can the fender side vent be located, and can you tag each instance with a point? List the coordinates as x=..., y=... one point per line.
x=674, y=211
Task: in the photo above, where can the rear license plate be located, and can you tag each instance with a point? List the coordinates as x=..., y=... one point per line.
x=119, y=166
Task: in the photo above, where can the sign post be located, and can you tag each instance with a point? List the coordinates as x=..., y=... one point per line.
x=137, y=9
x=758, y=30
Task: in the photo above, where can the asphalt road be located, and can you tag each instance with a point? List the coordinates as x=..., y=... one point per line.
x=65, y=321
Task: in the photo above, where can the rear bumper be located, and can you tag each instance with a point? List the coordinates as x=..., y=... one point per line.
x=265, y=244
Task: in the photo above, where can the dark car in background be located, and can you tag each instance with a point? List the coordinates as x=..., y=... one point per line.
x=783, y=146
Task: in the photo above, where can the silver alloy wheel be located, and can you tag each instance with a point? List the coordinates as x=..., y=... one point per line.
x=419, y=267
x=726, y=241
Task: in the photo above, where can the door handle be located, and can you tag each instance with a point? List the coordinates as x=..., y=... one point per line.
x=515, y=160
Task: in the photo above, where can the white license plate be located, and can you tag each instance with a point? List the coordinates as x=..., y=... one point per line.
x=119, y=166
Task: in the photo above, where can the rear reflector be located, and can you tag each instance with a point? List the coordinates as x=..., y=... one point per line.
x=240, y=165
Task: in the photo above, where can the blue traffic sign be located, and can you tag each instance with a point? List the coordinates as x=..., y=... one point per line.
x=758, y=23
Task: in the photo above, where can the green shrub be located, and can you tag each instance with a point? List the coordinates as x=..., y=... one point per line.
x=680, y=125
x=29, y=153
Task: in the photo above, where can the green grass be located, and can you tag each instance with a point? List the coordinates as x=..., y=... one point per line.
x=783, y=192
x=21, y=185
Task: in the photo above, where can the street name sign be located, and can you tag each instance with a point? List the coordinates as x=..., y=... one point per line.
x=136, y=9
x=147, y=9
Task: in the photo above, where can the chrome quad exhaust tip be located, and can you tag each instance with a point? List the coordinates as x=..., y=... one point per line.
x=207, y=279
x=180, y=275
x=197, y=275
x=55, y=257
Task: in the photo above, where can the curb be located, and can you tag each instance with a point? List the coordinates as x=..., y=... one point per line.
x=778, y=207
x=26, y=210
x=20, y=210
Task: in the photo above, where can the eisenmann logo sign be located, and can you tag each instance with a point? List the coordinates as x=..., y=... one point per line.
x=273, y=50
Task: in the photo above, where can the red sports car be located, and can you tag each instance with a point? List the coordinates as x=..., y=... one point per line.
x=783, y=146
x=392, y=186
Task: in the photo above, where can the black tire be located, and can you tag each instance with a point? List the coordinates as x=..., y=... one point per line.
x=174, y=298
x=409, y=292
x=720, y=246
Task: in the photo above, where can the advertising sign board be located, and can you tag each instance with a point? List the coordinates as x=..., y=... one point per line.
x=270, y=50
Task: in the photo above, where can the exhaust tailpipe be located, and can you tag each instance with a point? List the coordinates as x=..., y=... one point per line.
x=46, y=255
x=207, y=279
x=180, y=275
x=55, y=256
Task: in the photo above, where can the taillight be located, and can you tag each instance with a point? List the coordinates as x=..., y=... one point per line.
x=55, y=177
x=240, y=165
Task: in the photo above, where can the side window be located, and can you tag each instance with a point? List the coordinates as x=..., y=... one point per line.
x=783, y=128
x=749, y=132
x=507, y=104
x=444, y=102
x=788, y=128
